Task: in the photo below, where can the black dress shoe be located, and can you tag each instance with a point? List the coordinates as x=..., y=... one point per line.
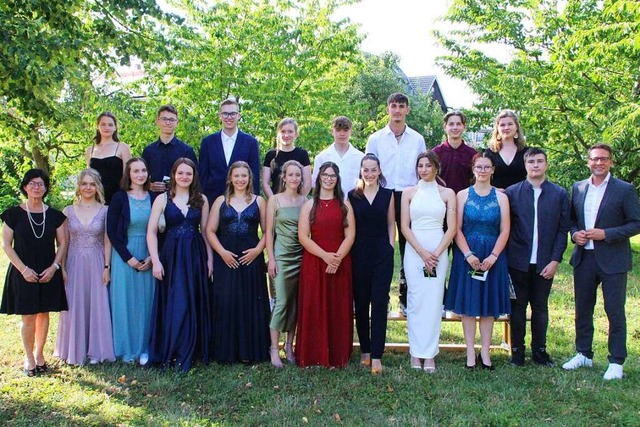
x=541, y=357
x=517, y=356
x=482, y=365
x=470, y=368
x=41, y=369
x=30, y=372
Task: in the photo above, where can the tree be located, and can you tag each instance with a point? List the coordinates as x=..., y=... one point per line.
x=50, y=53
x=572, y=74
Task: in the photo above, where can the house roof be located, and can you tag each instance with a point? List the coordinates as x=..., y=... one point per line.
x=423, y=84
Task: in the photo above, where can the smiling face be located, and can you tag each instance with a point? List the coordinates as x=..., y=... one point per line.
x=35, y=188
x=483, y=169
x=454, y=128
x=507, y=127
x=167, y=122
x=229, y=116
x=107, y=127
x=138, y=173
x=426, y=170
x=328, y=179
x=292, y=177
x=184, y=175
x=370, y=171
x=600, y=162
x=240, y=178
x=88, y=188
x=287, y=135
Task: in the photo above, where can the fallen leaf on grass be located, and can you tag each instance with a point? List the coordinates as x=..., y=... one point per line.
x=122, y=379
x=248, y=385
x=305, y=420
x=390, y=389
x=336, y=417
x=134, y=382
x=276, y=387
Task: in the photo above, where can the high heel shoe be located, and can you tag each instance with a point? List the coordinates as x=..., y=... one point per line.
x=416, y=363
x=481, y=363
x=288, y=353
x=274, y=353
x=41, y=369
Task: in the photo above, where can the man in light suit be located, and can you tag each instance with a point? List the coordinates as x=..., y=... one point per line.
x=538, y=238
x=220, y=150
x=605, y=213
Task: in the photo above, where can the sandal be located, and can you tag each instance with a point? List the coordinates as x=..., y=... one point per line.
x=41, y=369
x=275, y=357
x=288, y=352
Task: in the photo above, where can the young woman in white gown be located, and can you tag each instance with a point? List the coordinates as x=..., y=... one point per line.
x=424, y=209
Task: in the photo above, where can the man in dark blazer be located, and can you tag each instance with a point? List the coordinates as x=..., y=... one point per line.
x=538, y=238
x=220, y=150
x=605, y=213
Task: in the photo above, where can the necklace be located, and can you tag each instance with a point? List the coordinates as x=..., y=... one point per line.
x=33, y=223
x=326, y=203
x=399, y=135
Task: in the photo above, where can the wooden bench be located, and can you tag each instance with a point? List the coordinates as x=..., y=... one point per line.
x=450, y=317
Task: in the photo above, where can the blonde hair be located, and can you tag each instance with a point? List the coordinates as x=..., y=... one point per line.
x=230, y=190
x=495, y=143
x=283, y=174
x=95, y=175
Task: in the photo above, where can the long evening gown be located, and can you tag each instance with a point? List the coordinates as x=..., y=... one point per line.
x=424, y=298
x=132, y=291
x=481, y=227
x=181, y=319
x=240, y=298
x=325, y=302
x=84, y=331
x=288, y=254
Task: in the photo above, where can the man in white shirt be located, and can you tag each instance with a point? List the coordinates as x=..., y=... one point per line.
x=397, y=146
x=605, y=213
x=342, y=153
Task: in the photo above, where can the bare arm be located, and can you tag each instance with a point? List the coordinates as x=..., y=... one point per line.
x=152, y=236
x=204, y=220
x=391, y=221
x=270, y=236
x=228, y=257
x=306, y=180
x=266, y=182
x=106, y=274
x=347, y=242
x=449, y=198
x=61, y=244
x=125, y=155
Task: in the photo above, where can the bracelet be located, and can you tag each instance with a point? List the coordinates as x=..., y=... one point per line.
x=106, y=266
x=494, y=254
x=26, y=267
x=468, y=254
x=56, y=265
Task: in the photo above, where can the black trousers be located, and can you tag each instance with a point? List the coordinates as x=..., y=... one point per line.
x=372, y=274
x=586, y=278
x=531, y=289
x=397, y=199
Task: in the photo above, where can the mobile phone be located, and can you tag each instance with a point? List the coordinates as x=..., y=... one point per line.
x=429, y=274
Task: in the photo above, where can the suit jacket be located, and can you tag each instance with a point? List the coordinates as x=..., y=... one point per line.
x=618, y=215
x=118, y=218
x=553, y=224
x=213, y=167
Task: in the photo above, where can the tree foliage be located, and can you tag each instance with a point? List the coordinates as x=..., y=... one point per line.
x=572, y=74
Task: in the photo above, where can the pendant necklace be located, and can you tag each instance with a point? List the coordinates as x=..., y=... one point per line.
x=33, y=223
x=325, y=203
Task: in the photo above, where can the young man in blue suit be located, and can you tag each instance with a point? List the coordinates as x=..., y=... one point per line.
x=538, y=238
x=605, y=213
x=220, y=150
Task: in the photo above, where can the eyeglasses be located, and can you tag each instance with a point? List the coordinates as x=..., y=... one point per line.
x=599, y=159
x=328, y=176
x=482, y=168
x=231, y=114
x=168, y=120
x=36, y=184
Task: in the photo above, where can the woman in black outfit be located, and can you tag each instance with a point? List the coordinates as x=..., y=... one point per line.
x=507, y=147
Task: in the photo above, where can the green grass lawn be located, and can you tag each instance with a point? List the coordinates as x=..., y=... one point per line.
x=120, y=394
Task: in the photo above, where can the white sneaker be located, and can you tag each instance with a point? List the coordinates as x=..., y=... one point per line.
x=614, y=372
x=578, y=361
x=144, y=359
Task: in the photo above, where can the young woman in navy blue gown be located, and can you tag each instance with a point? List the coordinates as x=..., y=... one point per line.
x=372, y=259
x=483, y=232
x=181, y=317
x=240, y=298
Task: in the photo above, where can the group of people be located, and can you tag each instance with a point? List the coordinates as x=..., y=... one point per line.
x=160, y=259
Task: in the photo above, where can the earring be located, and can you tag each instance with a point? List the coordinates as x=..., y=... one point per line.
x=515, y=136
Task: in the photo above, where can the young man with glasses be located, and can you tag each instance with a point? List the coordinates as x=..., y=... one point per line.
x=342, y=153
x=605, y=214
x=537, y=240
x=220, y=150
x=162, y=154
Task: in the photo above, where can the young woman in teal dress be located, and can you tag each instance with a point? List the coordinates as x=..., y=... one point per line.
x=483, y=232
x=285, y=255
x=132, y=284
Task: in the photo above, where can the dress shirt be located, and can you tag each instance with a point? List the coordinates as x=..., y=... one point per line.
x=349, y=165
x=592, y=202
x=455, y=165
x=160, y=157
x=397, y=158
x=228, y=142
